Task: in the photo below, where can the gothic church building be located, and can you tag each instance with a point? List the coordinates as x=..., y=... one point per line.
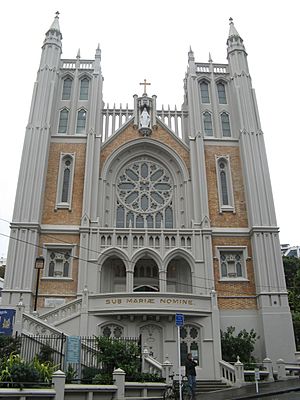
x=141, y=213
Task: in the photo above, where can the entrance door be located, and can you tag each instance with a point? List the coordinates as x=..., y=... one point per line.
x=152, y=340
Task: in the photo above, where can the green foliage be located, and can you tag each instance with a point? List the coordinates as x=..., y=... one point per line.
x=71, y=374
x=2, y=271
x=15, y=370
x=114, y=353
x=46, y=353
x=292, y=276
x=241, y=345
x=144, y=377
x=8, y=345
x=103, y=378
x=88, y=374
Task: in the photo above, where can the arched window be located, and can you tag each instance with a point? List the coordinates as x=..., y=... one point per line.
x=58, y=262
x=225, y=185
x=204, y=92
x=225, y=124
x=146, y=276
x=190, y=343
x=84, y=89
x=112, y=331
x=65, y=181
x=63, y=121
x=67, y=86
x=221, y=93
x=81, y=121
x=207, y=122
x=67, y=166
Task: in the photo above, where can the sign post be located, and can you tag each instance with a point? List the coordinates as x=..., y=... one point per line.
x=179, y=321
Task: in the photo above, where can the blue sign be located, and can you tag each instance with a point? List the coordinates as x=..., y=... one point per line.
x=7, y=321
x=73, y=349
x=179, y=319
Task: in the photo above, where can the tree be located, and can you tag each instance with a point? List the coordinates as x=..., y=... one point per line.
x=241, y=345
x=115, y=353
x=292, y=276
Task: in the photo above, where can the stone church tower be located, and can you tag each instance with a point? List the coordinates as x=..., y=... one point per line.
x=141, y=213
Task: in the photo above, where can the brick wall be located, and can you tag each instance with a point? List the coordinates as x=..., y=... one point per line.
x=231, y=294
x=226, y=218
x=64, y=216
x=130, y=134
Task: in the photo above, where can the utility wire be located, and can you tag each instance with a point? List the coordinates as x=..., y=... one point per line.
x=164, y=280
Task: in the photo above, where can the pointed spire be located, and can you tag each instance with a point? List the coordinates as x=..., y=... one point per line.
x=191, y=54
x=98, y=52
x=209, y=58
x=78, y=54
x=234, y=41
x=232, y=29
x=55, y=23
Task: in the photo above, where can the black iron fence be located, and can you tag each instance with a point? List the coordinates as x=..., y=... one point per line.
x=54, y=348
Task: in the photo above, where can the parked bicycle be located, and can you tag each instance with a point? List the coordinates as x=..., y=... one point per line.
x=172, y=390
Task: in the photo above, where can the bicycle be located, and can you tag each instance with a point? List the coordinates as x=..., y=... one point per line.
x=172, y=390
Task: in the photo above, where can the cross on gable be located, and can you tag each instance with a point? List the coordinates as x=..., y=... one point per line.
x=145, y=83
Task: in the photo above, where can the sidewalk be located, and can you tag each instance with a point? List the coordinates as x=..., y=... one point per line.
x=249, y=391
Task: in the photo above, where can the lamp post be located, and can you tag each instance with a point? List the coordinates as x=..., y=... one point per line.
x=39, y=264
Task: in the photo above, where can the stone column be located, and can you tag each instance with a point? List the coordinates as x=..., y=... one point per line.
x=59, y=380
x=267, y=363
x=239, y=373
x=281, y=371
x=167, y=367
x=119, y=380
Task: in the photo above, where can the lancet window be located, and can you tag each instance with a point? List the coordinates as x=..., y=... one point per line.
x=63, y=121
x=67, y=86
x=225, y=125
x=81, y=121
x=204, y=90
x=84, y=89
x=221, y=93
x=207, y=122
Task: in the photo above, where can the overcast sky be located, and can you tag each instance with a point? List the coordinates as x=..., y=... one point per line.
x=150, y=40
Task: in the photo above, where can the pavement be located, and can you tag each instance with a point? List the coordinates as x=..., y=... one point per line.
x=265, y=390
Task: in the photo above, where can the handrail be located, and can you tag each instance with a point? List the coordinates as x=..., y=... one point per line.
x=227, y=372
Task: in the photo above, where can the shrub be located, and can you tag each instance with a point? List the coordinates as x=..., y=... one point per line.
x=103, y=378
x=144, y=377
x=8, y=345
x=241, y=345
x=114, y=353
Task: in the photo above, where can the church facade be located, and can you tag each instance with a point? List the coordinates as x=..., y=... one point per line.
x=141, y=213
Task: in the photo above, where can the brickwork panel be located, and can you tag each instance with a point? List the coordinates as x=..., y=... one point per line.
x=64, y=216
x=56, y=286
x=226, y=218
x=159, y=134
x=230, y=293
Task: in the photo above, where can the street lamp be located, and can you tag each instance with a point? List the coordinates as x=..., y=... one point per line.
x=39, y=264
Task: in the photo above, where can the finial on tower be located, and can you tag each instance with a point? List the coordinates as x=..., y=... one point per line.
x=78, y=54
x=55, y=23
x=191, y=54
x=232, y=30
x=209, y=58
x=98, y=51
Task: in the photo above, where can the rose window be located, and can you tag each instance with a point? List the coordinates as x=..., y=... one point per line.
x=144, y=191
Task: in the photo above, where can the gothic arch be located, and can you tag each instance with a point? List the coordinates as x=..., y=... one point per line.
x=182, y=253
x=111, y=252
x=153, y=149
x=146, y=252
x=153, y=152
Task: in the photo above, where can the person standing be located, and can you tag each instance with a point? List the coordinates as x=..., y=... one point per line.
x=190, y=371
